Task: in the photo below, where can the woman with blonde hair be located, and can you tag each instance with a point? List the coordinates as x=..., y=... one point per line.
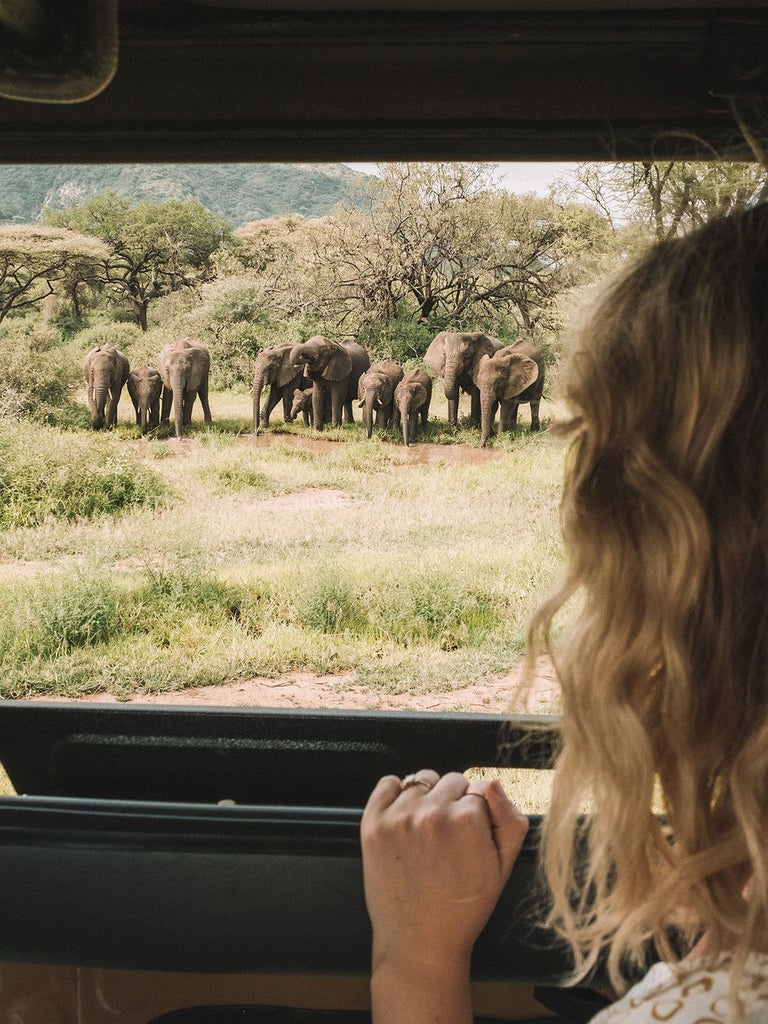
x=664, y=675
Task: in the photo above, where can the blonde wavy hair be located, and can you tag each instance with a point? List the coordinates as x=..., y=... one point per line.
x=664, y=671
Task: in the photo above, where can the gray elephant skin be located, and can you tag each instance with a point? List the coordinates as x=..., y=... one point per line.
x=145, y=386
x=106, y=370
x=510, y=376
x=302, y=404
x=454, y=357
x=411, y=403
x=184, y=366
x=273, y=367
x=334, y=368
x=376, y=393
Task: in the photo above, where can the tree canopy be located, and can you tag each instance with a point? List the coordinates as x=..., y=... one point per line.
x=153, y=248
x=33, y=257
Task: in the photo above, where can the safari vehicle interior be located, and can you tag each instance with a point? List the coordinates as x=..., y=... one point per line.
x=198, y=865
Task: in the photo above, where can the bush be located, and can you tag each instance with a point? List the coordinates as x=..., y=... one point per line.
x=38, y=376
x=64, y=615
x=44, y=473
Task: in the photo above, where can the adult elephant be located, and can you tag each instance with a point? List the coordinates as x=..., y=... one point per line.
x=510, y=376
x=334, y=368
x=145, y=386
x=412, y=397
x=273, y=367
x=454, y=357
x=376, y=393
x=184, y=366
x=105, y=369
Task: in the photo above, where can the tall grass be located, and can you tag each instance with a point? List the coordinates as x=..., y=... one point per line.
x=130, y=565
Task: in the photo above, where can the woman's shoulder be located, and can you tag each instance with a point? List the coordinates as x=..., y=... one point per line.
x=691, y=992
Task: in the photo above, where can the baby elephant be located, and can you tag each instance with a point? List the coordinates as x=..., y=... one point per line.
x=145, y=386
x=302, y=403
x=412, y=397
x=376, y=393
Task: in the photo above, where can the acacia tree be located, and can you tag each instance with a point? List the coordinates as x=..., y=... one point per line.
x=441, y=243
x=670, y=197
x=153, y=248
x=34, y=258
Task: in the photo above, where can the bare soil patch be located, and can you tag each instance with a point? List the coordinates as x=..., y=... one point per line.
x=306, y=690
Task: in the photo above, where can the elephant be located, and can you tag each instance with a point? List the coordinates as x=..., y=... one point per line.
x=454, y=356
x=412, y=397
x=145, y=386
x=334, y=369
x=105, y=369
x=302, y=403
x=512, y=375
x=184, y=366
x=274, y=367
x=376, y=393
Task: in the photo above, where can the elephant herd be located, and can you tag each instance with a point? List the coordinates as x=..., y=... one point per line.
x=181, y=376
x=321, y=379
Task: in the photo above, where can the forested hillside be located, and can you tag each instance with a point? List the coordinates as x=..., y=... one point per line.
x=239, y=193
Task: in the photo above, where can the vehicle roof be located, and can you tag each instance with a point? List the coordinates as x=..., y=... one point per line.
x=306, y=80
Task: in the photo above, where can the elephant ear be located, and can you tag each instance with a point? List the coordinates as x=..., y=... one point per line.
x=485, y=347
x=523, y=371
x=338, y=366
x=434, y=357
x=287, y=370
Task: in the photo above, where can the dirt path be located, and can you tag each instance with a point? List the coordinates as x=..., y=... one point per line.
x=305, y=690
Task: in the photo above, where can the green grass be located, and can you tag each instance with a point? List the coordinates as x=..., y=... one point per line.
x=148, y=565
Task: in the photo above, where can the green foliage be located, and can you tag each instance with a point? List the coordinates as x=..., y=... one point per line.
x=341, y=555
x=402, y=339
x=238, y=193
x=327, y=603
x=67, y=614
x=47, y=474
x=153, y=249
x=38, y=375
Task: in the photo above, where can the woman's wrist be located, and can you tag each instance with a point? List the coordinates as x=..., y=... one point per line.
x=412, y=990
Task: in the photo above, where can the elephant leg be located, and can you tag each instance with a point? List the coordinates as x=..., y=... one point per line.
x=167, y=402
x=338, y=399
x=453, y=412
x=349, y=416
x=110, y=412
x=272, y=399
x=202, y=392
x=475, y=415
x=287, y=396
x=412, y=418
x=187, y=404
x=535, y=424
x=510, y=420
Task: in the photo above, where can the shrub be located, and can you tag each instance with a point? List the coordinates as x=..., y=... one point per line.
x=44, y=473
x=38, y=376
x=52, y=620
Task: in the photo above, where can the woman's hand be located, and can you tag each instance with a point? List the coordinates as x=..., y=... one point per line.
x=437, y=853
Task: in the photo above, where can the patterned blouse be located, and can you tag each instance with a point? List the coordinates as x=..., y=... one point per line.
x=693, y=993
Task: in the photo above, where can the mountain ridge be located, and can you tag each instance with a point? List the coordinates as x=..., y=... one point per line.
x=238, y=193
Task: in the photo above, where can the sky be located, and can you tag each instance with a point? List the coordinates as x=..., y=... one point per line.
x=517, y=177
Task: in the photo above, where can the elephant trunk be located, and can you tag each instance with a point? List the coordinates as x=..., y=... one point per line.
x=258, y=384
x=404, y=418
x=369, y=400
x=451, y=382
x=487, y=412
x=99, y=392
x=144, y=412
x=177, y=384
